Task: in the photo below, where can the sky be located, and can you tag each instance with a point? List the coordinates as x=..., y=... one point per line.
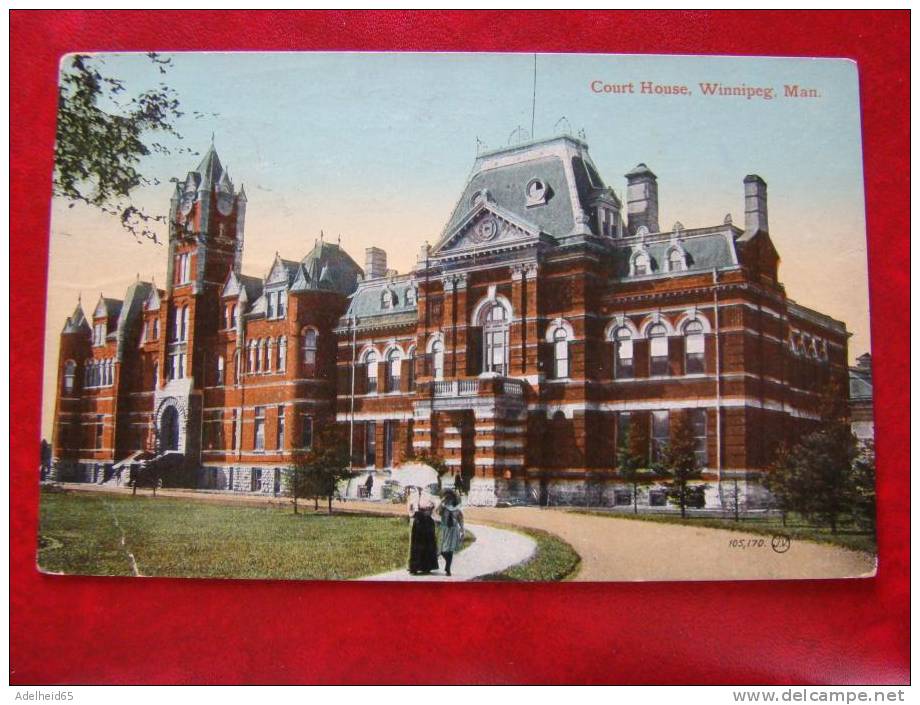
x=376, y=149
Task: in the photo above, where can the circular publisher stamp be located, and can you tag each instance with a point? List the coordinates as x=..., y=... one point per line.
x=781, y=543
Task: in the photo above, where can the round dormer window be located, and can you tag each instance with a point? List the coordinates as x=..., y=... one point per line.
x=536, y=191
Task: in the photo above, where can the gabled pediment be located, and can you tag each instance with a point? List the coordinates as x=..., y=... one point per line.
x=153, y=300
x=280, y=272
x=487, y=226
x=233, y=286
x=101, y=311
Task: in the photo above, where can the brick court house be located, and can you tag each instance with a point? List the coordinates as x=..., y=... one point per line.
x=546, y=319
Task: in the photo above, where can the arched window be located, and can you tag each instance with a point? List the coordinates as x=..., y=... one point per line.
x=370, y=364
x=642, y=264
x=495, y=339
x=252, y=357
x=220, y=369
x=623, y=354
x=156, y=328
x=237, y=366
x=109, y=377
x=386, y=299
x=270, y=355
x=70, y=368
x=694, y=348
x=394, y=365
x=658, y=350
x=309, y=347
x=261, y=361
x=410, y=296
x=410, y=369
x=560, y=354
x=156, y=374
x=676, y=261
x=282, y=354
x=437, y=359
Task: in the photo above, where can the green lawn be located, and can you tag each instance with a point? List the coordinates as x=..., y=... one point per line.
x=796, y=527
x=553, y=560
x=182, y=538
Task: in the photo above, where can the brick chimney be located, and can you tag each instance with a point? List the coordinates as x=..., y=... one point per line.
x=375, y=263
x=641, y=199
x=755, y=205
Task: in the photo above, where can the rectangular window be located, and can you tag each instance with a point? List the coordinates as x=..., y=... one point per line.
x=697, y=420
x=622, y=498
x=661, y=429
x=370, y=444
x=280, y=439
x=306, y=432
x=282, y=303
x=659, y=356
x=623, y=420
x=256, y=480
x=270, y=301
x=389, y=436
x=259, y=429
x=623, y=359
x=695, y=349
x=237, y=429
x=99, y=429
x=657, y=498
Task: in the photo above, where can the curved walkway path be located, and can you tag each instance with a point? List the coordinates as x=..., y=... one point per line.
x=492, y=551
x=615, y=548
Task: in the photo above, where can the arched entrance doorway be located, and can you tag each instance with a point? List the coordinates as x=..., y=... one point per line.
x=169, y=429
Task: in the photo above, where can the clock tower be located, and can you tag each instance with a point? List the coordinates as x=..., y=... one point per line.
x=206, y=218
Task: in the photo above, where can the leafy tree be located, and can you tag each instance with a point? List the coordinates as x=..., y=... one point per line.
x=318, y=472
x=781, y=482
x=864, y=506
x=818, y=477
x=679, y=464
x=103, y=134
x=632, y=458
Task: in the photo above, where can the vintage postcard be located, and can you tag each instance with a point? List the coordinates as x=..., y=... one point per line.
x=447, y=317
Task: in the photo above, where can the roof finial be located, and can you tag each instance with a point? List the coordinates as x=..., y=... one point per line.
x=212, y=139
x=320, y=235
x=340, y=239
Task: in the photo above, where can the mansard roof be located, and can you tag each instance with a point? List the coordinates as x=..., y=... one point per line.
x=367, y=300
x=565, y=172
x=705, y=249
x=327, y=267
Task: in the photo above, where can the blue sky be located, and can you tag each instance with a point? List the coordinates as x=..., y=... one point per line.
x=377, y=148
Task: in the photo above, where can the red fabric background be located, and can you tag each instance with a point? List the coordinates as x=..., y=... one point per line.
x=91, y=630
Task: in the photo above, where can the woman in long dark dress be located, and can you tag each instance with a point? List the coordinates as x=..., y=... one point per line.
x=423, y=546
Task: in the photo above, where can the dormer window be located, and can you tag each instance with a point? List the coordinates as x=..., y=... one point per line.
x=276, y=303
x=411, y=296
x=387, y=299
x=642, y=264
x=677, y=261
x=99, y=331
x=537, y=192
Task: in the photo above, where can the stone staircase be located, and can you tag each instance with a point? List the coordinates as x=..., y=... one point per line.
x=143, y=467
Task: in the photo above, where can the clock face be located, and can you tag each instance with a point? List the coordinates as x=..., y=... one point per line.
x=224, y=203
x=188, y=200
x=486, y=230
